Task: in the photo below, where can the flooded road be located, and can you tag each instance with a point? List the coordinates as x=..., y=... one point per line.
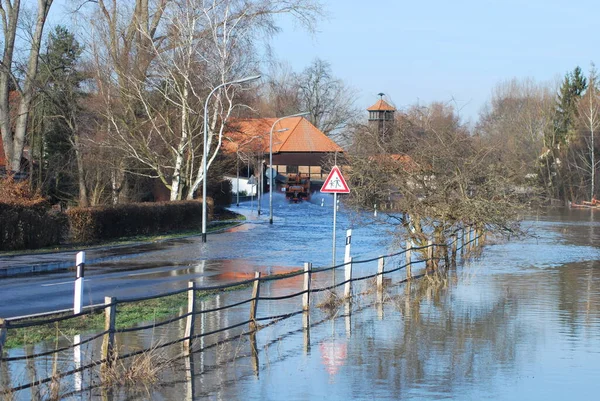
x=520, y=322
x=300, y=233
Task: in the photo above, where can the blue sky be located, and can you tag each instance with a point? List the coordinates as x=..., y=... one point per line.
x=422, y=51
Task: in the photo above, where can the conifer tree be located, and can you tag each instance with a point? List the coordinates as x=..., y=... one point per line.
x=60, y=96
x=563, y=130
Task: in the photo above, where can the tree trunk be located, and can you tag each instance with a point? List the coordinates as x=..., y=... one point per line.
x=10, y=16
x=27, y=90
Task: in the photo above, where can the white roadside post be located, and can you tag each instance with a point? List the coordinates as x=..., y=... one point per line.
x=348, y=244
x=78, y=297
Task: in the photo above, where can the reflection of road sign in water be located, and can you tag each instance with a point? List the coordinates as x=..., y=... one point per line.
x=333, y=355
x=335, y=183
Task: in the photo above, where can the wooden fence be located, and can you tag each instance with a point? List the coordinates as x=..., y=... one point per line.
x=461, y=243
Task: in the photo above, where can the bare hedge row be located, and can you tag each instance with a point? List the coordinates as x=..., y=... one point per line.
x=30, y=227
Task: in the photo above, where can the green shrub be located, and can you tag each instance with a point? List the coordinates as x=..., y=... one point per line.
x=221, y=193
x=94, y=224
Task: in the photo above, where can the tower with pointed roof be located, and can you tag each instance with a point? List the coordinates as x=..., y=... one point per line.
x=381, y=116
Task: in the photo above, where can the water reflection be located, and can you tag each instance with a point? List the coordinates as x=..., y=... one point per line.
x=521, y=322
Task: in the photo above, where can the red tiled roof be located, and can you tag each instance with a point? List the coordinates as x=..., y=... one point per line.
x=294, y=134
x=381, y=105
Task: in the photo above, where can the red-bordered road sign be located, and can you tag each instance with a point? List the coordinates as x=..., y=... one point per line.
x=335, y=183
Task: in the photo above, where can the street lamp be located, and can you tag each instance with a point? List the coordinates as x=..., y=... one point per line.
x=271, y=162
x=205, y=151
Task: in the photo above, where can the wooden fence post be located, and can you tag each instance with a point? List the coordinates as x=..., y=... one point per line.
x=254, y=351
x=3, y=335
x=447, y=255
x=191, y=309
x=408, y=259
x=429, y=263
x=110, y=318
x=454, y=240
x=254, y=302
x=306, y=295
x=380, y=269
x=348, y=279
x=306, y=305
x=469, y=239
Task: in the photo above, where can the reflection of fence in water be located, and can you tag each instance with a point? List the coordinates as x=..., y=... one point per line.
x=204, y=317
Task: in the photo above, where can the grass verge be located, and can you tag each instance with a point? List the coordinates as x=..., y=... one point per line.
x=128, y=315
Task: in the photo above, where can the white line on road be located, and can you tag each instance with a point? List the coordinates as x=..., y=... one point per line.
x=64, y=282
x=140, y=274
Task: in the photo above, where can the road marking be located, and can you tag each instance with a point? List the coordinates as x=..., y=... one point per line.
x=53, y=284
x=63, y=283
x=140, y=274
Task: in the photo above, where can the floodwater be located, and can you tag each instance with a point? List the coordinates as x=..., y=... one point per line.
x=519, y=322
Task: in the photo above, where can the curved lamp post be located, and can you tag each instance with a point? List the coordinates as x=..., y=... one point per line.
x=271, y=162
x=205, y=151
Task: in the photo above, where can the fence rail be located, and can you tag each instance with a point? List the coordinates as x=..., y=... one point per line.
x=462, y=241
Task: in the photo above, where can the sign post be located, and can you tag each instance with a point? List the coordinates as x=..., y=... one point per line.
x=335, y=184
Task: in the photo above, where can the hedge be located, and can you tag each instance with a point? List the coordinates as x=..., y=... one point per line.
x=102, y=223
x=30, y=227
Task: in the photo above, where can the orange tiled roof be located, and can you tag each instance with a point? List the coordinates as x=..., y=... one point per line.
x=381, y=105
x=294, y=134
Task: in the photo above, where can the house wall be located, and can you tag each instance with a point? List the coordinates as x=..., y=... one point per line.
x=304, y=163
x=244, y=186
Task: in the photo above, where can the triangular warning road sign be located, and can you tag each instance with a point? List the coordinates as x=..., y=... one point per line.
x=335, y=183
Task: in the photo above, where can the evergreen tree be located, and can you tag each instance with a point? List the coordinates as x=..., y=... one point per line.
x=59, y=102
x=564, y=129
x=566, y=115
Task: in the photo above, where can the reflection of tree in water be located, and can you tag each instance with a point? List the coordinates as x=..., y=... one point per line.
x=440, y=344
x=578, y=295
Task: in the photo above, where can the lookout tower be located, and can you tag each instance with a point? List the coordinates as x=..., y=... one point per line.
x=381, y=116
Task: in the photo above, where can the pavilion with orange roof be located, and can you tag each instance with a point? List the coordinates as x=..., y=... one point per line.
x=298, y=146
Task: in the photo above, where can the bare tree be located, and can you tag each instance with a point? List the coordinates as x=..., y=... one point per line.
x=515, y=121
x=589, y=115
x=14, y=141
x=329, y=101
x=280, y=95
x=445, y=179
x=156, y=112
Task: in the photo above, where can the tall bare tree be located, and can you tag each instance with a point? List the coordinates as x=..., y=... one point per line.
x=13, y=140
x=589, y=115
x=514, y=123
x=328, y=99
x=155, y=112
